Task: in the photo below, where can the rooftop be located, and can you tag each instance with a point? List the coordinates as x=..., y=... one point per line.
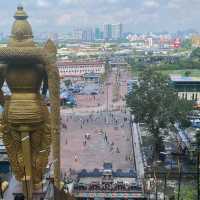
x=184, y=79
x=67, y=62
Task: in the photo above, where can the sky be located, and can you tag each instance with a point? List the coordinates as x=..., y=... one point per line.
x=136, y=15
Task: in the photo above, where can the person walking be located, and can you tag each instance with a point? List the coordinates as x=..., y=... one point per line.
x=84, y=143
x=105, y=138
x=76, y=158
x=66, y=142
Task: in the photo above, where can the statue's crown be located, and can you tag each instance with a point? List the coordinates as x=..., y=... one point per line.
x=20, y=13
x=21, y=34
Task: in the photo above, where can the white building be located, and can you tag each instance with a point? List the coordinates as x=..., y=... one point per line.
x=77, y=34
x=116, y=31
x=112, y=31
x=77, y=70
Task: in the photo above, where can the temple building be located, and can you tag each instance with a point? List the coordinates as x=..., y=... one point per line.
x=76, y=70
x=107, y=184
x=187, y=87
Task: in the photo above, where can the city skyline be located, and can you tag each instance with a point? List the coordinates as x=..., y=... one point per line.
x=136, y=16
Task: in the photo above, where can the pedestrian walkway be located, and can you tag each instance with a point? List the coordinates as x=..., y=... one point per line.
x=138, y=151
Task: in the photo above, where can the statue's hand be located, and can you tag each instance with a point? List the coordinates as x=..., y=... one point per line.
x=2, y=98
x=2, y=127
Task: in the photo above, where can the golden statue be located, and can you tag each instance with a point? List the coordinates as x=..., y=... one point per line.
x=28, y=128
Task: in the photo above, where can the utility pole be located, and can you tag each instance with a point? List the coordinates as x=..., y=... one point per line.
x=107, y=96
x=179, y=179
x=156, y=190
x=155, y=178
x=1, y=192
x=179, y=185
x=198, y=192
x=165, y=186
x=198, y=146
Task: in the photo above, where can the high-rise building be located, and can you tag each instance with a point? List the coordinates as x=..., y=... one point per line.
x=88, y=35
x=149, y=42
x=112, y=31
x=77, y=34
x=97, y=34
x=107, y=31
x=116, y=31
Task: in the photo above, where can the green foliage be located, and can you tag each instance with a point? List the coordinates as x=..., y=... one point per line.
x=187, y=192
x=155, y=103
x=68, y=82
x=62, y=45
x=103, y=77
x=187, y=44
x=187, y=73
x=162, y=63
x=195, y=55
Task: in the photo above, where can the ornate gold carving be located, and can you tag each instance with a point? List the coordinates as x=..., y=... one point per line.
x=26, y=123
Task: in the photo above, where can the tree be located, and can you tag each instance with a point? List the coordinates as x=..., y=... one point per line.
x=187, y=44
x=155, y=103
x=188, y=192
x=68, y=82
x=187, y=73
x=195, y=55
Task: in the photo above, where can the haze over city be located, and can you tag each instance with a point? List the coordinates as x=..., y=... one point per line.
x=136, y=15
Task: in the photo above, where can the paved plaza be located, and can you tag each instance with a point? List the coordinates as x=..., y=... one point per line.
x=109, y=141
x=110, y=135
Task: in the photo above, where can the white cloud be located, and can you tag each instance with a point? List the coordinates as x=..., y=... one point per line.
x=69, y=2
x=152, y=4
x=63, y=15
x=43, y=3
x=63, y=19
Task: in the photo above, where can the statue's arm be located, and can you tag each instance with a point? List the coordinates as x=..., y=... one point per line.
x=54, y=93
x=45, y=84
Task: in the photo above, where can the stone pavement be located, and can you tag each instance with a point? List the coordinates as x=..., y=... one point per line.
x=113, y=144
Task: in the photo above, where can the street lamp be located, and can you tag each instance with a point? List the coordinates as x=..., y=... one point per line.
x=198, y=192
x=107, y=95
x=1, y=192
x=198, y=151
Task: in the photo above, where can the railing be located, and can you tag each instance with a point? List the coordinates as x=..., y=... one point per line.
x=141, y=145
x=110, y=188
x=137, y=151
x=106, y=191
